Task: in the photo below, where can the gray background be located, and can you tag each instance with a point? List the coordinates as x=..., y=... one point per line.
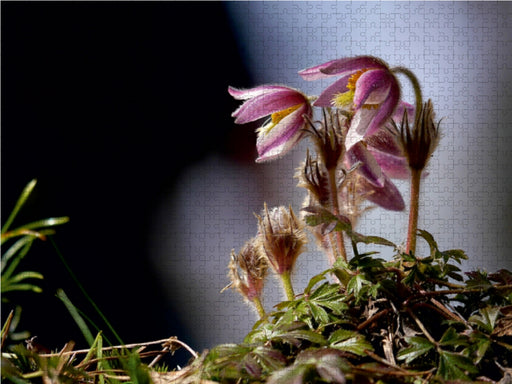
x=462, y=54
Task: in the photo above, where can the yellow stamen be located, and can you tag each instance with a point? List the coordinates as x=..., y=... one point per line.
x=345, y=99
x=276, y=117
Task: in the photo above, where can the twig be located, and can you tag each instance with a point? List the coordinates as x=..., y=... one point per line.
x=385, y=362
x=422, y=327
x=372, y=319
x=169, y=341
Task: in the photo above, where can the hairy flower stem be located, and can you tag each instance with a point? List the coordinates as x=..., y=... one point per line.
x=413, y=211
x=337, y=244
x=416, y=86
x=259, y=307
x=287, y=285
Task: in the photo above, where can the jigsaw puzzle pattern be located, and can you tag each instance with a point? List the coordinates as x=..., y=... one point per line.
x=462, y=54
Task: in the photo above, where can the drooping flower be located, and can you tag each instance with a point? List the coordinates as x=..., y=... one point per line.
x=366, y=87
x=381, y=153
x=373, y=183
x=285, y=106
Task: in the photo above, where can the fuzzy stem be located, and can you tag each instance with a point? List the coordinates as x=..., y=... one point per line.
x=259, y=307
x=415, y=85
x=287, y=285
x=413, y=210
x=338, y=245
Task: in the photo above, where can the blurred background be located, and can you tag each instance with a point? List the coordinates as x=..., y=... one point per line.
x=121, y=112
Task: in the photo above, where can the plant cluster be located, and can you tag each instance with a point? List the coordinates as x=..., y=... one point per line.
x=415, y=318
x=412, y=319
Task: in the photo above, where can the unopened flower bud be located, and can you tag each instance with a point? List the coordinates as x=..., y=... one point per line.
x=247, y=270
x=282, y=237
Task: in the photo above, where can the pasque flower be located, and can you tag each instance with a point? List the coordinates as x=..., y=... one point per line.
x=285, y=106
x=381, y=158
x=366, y=86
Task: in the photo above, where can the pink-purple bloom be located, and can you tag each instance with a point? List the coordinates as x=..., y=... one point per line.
x=385, y=147
x=365, y=86
x=285, y=106
x=381, y=158
x=374, y=183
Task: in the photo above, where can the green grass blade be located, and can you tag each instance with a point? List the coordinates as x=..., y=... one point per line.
x=23, y=246
x=84, y=292
x=76, y=316
x=19, y=204
x=44, y=223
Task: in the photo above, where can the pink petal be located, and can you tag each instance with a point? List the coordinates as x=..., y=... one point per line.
x=283, y=137
x=388, y=197
x=325, y=98
x=340, y=67
x=393, y=166
x=265, y=104
x=373, y=87
x=384, y=141
x=399, y=112
x=369, y=168
x=244, y=94
x=385, y=110
x=360, y=122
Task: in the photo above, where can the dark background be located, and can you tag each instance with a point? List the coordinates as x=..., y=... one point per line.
x=105, y=104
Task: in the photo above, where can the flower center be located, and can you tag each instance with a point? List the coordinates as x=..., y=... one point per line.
x=345, y=99
x=276, y=117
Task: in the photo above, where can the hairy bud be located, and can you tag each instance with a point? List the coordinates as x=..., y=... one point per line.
x=247, y=270
x=282, y=237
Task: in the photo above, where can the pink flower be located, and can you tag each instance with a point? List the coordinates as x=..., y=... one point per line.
x=381, y=158
x=374, y=184
x=366, y=86
x=385, y=146
x=285, y=106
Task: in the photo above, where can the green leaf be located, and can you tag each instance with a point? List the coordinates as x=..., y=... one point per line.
x=430, y=240
x=294, y=374
x=359, y=238
x=418, y=346
x=454, y=366
x=288, y=333
x=356, y=285
x=350, y=341
x=319, y=314
x=314, y=281
x=270, y=359
x=452, y=338
x=486, y=319
x=455, y=254
x=480, y=344
x=323, y=216
x=478, y=280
